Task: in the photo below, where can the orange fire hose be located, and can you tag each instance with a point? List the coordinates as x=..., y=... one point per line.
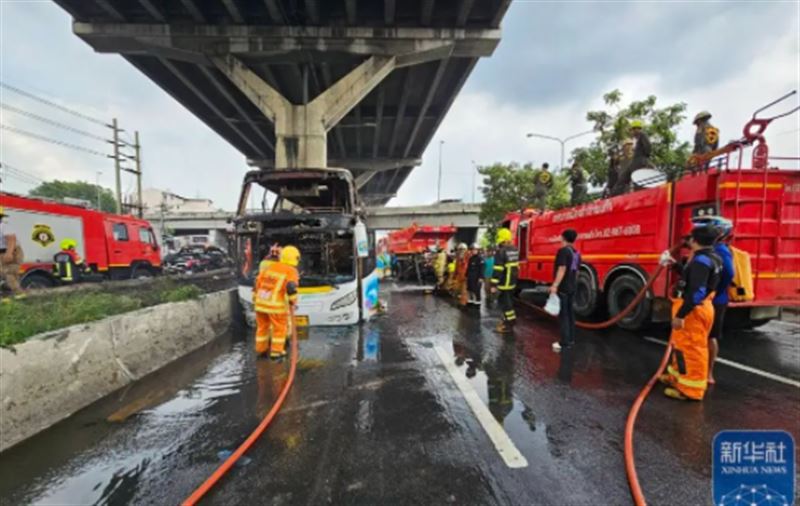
x=203, y=489
x=630, y=462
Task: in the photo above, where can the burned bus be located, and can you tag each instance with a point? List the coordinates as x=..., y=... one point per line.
x=316, y=210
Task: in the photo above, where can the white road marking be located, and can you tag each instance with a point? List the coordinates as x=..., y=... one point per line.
x=747, y=368
x=505, y=447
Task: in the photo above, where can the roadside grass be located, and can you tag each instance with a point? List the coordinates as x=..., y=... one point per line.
x=21, y=319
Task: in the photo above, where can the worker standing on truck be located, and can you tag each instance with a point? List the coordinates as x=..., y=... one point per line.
x=622, y=175
x=693, y=317
x=475, y=275
x=577, y=179
x=11, y=258
x=723, y=227
x=706, y=135
x=565, y=272
x=504, y=280
x=274, y=294
x=542, y=183
x=706, y=138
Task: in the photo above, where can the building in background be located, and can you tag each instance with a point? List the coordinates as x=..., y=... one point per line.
x=183, y=221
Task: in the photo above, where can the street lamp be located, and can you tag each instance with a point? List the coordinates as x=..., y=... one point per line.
x=474, y=172
x=439, y=190
x=559, y=140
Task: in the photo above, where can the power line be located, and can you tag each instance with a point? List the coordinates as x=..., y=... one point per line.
x=53, y=141
x=4, y=165
x=53, y=104
x=49, y=121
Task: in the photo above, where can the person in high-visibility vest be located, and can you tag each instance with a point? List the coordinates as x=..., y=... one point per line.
x=275, y=291
x=542, y=183
x=724, y=229
x=693, y=317
x=67, y=263
x=504, y=281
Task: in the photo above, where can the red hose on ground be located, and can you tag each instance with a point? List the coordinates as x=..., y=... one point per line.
x=617, y=317
x=630, y=463
x=203, y=489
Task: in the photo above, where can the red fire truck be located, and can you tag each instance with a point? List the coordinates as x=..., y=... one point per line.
x=413, y=247
x=621, y=238
x=113, y=246
x=417, y=239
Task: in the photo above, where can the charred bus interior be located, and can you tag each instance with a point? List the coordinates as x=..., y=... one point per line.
x=311, y=209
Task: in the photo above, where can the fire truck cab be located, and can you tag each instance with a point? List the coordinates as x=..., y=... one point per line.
x=112, y=246
x=621, y=238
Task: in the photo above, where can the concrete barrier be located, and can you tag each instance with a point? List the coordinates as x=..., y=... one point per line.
x=51, y=376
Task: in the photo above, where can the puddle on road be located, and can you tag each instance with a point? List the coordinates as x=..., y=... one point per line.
x=133, y=445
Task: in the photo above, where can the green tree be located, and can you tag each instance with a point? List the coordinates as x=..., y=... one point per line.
x=76, y=190
x=613, y=127
x=509, y=187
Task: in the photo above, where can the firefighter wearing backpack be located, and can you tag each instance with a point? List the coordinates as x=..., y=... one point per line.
x=504, y=281
x=693, y=317
x=275, y=291
x=724, y=228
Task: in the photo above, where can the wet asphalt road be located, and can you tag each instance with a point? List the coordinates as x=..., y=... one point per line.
x=374, y=418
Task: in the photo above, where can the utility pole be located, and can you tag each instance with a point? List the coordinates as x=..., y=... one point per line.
x=116, y=166
x=138, y=154
x=439, y=190
x=97, y=184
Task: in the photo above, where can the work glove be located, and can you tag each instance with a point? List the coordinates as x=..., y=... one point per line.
x=666, y=258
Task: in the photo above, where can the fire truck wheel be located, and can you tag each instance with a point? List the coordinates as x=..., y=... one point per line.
x=585, y=295
x=141, y=272
x=36, y=281
x=623, y=290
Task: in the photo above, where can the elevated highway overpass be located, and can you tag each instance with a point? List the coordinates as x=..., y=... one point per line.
x=348, y=83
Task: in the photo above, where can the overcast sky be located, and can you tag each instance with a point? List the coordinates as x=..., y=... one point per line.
x=554, y=63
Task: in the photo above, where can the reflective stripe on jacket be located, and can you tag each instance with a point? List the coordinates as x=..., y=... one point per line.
x=506, y=268
x=276, y=288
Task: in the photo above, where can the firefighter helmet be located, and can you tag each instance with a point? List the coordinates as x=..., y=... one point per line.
x=503, y=235
x=722, y=225
x=700, y=116
x=290, y=255
x=69, y=244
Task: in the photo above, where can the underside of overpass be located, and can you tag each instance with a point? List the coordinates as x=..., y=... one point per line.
x=306, y=83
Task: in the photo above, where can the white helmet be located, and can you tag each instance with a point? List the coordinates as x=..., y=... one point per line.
x=462, y=246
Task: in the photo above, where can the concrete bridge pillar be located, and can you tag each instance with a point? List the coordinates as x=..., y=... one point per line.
x=301, y=130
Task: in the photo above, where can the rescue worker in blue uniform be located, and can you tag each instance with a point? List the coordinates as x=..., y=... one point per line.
x=693, y=317
x=724, y=228
x=504, y=280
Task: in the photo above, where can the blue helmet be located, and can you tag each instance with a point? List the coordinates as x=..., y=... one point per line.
x=724, y=226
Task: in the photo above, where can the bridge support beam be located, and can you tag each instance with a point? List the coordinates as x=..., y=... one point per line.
x=301, y=130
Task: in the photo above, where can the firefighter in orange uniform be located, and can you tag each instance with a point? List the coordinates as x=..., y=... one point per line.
x=462, y=262
x=275, y=291
x=693, y=316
